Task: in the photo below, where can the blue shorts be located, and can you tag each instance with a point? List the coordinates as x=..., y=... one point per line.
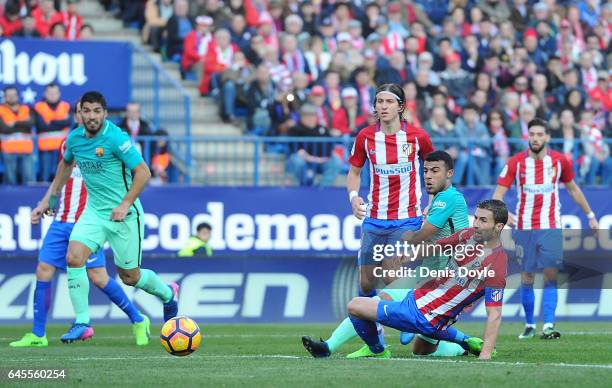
x=404, y=316
x=372, y=235
x=55, y=247
x=538, y=249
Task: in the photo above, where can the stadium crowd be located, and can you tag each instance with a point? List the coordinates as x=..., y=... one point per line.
x=474, y=72
x=477, y=70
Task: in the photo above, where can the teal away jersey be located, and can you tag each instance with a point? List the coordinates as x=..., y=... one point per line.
x=106, y=162
x=448, y=212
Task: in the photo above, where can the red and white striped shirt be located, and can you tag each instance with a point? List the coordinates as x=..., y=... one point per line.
x=537, y=183
x=395, y=183
x=441, y=299
x=73, y=197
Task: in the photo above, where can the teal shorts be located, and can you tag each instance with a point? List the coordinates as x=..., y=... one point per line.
x=124, y=237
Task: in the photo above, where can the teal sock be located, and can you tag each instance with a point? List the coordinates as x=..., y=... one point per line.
x=343, y=333
x=448, y=349
x=78, y=287
x=151, y=283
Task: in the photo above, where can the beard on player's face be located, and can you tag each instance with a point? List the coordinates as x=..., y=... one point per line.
x=536, y=149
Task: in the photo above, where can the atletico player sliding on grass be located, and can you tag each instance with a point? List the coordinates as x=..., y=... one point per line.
x=537, y=173
x=447, y=214
x=53, y=256
x=432, y=308
x=115, y=174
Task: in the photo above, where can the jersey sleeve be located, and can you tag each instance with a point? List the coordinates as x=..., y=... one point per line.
x=65, y=151
x=506, y=177
x=123, y=148
x=441, y=209
x=425, y=145
x=567, y=170
x=495, y=284
x=460, y=237
x=358, y=152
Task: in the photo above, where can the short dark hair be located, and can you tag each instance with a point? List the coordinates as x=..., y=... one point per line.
x=472, y=106
x=9, y=87
x=439, y=155
x=203, y=225
x=51, y=85
x=538, y=122
x=94, y=97
x=497, y=207
x=77, y=104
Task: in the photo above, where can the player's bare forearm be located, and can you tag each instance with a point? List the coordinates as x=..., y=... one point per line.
x=140, y=176
x=500, y=192
x=62, y=174
x=491, y=331
x=578, y=196
x=353, y=179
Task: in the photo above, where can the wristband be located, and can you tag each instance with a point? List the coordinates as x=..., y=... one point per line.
x=352, y=195
x=591, y=215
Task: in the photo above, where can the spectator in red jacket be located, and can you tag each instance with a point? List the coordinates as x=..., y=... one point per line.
x=70, y=18
x=218, y=57
x=44, y=16
x=196, y=45
x=10, y=21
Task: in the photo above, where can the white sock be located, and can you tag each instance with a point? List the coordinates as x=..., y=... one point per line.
x=532, y=325
x=548, y=326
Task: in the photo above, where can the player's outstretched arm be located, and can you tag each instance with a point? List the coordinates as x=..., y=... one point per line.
x=353, y=181
x=140, y=176
x=578, y=197
x=494, y=314
x=62, y=174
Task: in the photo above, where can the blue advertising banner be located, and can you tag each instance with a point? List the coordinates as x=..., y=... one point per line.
x=258, y=290
x=76, y=66
x=251, y=220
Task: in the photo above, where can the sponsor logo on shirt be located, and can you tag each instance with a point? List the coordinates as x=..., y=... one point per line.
x=90, y=167
x=99, y=152
x=438, y=205
x=543, y=188
x=392, y=169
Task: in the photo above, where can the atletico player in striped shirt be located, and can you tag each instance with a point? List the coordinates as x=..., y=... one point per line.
x=52, y=256
x=538, y=173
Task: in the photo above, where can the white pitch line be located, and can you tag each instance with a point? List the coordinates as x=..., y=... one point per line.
x=282, y=356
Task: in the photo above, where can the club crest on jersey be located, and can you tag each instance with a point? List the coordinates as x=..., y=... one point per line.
x=372, y=151
x=497, y=295
x=407, y=149
x=99, y=152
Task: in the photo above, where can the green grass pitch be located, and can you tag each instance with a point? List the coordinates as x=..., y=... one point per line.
x=272, y=355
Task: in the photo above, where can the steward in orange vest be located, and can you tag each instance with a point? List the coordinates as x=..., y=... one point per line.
x=53, y=119
x=15, y=124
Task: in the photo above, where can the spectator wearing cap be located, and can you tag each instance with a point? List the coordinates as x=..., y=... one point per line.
x=196, y=46
x=362, y=82
x=349, y=116
x=474, y=148
x=354, y=30
x=396, y=20
x=456, y=80
x=259, y=98
x=317, y=98
x=267, y=30
x=70, y=19
x=312, y=158
x=218, y=58
x=293, y=57
x=318, y=59
x=44, y=16
x=496, y=10
x=157, y=14
x=602, y=91
x=538, y=56
x=326, y=30
x=178, y=27
x=241, y=33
